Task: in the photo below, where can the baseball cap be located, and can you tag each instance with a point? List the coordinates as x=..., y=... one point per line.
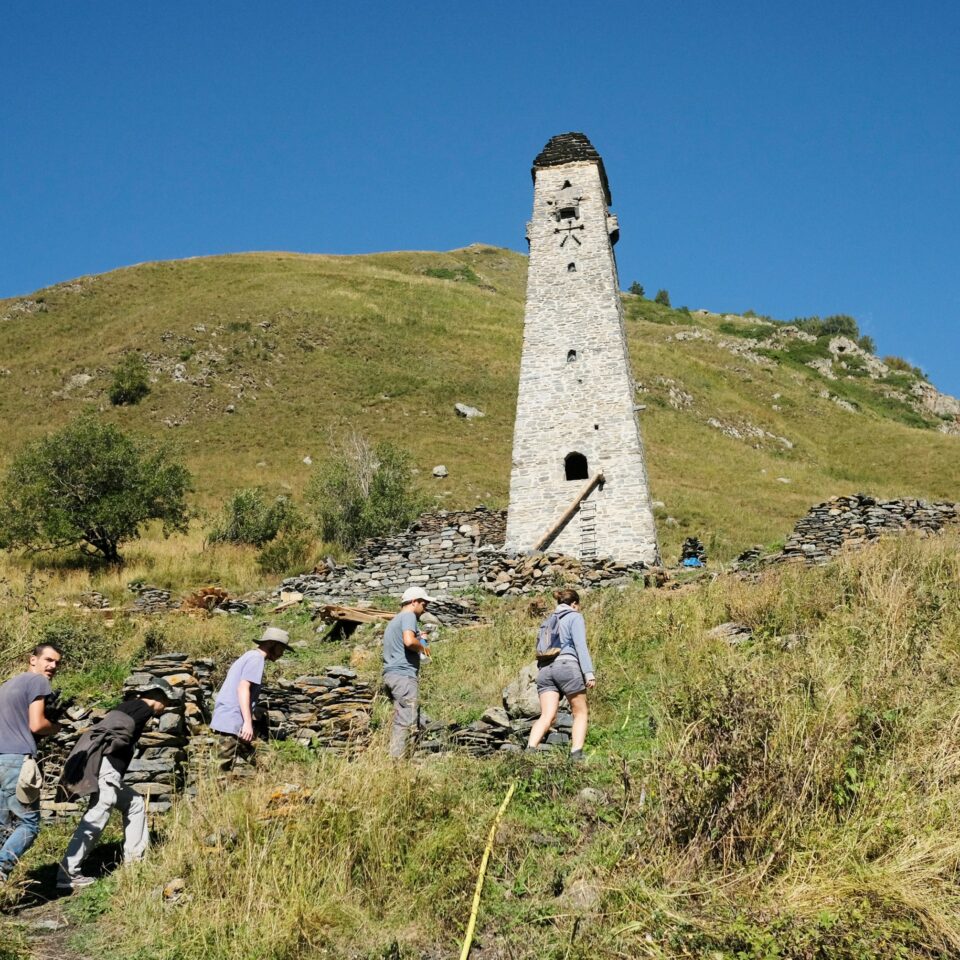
x=416, y=593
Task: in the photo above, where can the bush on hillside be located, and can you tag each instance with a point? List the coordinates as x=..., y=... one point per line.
x=248, y=517
x=903, y=366
x=92, y=486
x=286, y=555
x=131, y=380
x=663, y=298
x=636, y=288
x=364, y=491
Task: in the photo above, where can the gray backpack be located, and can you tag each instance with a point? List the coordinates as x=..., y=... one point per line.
x=548, y=638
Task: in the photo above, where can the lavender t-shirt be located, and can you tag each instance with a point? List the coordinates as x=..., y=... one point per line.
x=227, y=717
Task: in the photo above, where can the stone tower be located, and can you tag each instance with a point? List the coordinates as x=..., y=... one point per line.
x=576, y=417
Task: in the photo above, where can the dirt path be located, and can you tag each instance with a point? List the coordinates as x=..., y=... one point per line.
x=49, y=931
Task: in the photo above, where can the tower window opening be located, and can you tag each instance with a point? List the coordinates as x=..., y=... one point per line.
x=571, y=356
x=575, y=466
x=566, y=185
x=571, y=268
x=568, y=213
x=596, y=426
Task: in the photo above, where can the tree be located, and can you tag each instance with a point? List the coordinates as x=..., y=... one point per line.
x=636, y=289
x=131, y=381
x=90, y=485
x=364, y=491
x=663, y=298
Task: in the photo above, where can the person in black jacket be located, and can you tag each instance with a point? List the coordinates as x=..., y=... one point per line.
x=96, y=766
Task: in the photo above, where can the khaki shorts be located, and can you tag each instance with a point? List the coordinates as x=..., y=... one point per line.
x=563, y=676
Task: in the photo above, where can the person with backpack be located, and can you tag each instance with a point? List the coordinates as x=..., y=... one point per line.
x=566, y=670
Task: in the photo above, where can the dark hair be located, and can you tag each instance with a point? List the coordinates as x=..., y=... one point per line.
x=40, y=647
x=566, y=596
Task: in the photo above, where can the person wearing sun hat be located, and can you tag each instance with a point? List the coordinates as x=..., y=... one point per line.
x=403, y=647
x=237, y=699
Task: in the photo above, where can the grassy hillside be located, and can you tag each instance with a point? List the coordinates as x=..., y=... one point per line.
x=791, y=796
x=308, y=348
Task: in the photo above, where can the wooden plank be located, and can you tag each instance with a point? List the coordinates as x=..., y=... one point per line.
x=568, y=513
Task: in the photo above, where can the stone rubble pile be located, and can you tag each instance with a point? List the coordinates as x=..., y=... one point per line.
x=503, y=728
x=506, y=575
x=326, y=712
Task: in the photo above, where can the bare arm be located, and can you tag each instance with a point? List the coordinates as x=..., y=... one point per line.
x=412, y=642
x=243, y=698
x=40, y=726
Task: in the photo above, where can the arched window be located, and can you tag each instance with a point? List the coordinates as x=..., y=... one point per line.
x=575, y=466
x=571, y=356
x=571, y=268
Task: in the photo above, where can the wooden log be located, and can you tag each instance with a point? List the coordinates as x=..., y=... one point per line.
x=568, y=513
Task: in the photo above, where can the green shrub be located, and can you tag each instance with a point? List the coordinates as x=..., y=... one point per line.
x=364, y=492
x=131, y=381
x=903, y=366
x=662, y=297
x=285, y=555
x=90, y=485
x=248, y=517
x=636, y=289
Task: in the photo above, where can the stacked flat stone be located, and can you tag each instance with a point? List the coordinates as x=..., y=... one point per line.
x=328, y=711
x=852, y=521
x=501, y=729
x=160, y=771
x=692, y=549
x=439, y=552
x=506, y=575
x=150, y=599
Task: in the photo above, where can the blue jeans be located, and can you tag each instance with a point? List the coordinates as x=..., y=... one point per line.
x=25, y=817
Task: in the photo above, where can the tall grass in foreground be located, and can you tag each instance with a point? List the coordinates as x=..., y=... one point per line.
x=793, y=796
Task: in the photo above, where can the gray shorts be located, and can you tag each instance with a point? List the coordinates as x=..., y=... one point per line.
x=563, y=676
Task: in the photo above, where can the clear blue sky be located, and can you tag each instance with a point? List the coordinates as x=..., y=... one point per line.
x=790, y=158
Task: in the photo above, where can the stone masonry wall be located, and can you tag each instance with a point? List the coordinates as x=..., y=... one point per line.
x=576, y=389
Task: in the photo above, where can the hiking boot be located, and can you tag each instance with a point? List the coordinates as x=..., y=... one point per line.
x=66, y=882
x=576, y=756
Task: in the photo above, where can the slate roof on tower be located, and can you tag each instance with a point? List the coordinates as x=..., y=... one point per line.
x=570, y=148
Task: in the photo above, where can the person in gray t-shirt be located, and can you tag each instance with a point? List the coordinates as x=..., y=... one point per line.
x=403, y=645
x=22, y=718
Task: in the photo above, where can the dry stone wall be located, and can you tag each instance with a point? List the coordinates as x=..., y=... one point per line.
x=852, y=521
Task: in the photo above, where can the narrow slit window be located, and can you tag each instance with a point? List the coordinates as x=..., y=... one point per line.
x=571, y=356
x=566, y=185
x=571, y=268
x=575, y=466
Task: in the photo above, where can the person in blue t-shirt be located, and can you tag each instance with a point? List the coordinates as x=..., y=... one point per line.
x=403, y=647
x=237, y=698
x=22, y=718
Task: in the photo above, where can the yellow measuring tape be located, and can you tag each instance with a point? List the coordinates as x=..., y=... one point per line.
x=468, y=939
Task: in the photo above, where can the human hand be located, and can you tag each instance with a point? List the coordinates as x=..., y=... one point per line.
x=246, y=732
x=591, y=683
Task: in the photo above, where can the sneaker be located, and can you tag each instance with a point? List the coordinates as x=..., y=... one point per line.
x=66, y=882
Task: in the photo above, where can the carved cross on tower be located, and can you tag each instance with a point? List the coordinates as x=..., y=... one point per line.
x=569, y=233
